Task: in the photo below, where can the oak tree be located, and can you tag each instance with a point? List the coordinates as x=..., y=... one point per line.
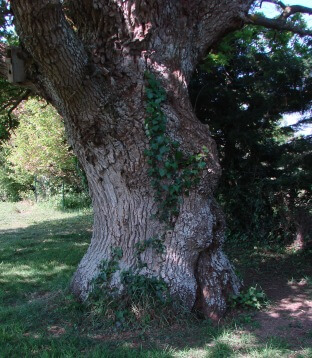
x=117, y=71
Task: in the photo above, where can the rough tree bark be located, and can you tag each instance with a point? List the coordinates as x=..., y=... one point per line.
x=88, y=58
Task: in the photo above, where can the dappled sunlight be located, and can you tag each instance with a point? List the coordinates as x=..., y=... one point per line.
x=24, y=214
x=37, y=262
x=39, y=257
x=233, y=337
x=10, y=272
x=85, y=244
x=33, y=335
x=292, y=312
x=56, y=331
x=284, y=277
x=274, y=314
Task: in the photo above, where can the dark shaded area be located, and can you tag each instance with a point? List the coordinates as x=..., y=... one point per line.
x=242, y=89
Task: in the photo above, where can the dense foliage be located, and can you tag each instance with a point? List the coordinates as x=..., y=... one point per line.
x=242, y=89
x=37, y=157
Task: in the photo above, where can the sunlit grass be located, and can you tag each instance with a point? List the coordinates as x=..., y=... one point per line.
x=39, y=250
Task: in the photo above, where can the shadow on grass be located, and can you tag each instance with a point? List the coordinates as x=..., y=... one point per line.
x=38, y=317
x=200, y=341
x=41, y=257
x=285, y=276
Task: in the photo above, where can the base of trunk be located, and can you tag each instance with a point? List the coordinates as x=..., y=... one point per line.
x=188, y=258
x=216, y=281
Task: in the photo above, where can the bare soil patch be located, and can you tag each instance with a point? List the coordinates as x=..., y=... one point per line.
x=290, y=315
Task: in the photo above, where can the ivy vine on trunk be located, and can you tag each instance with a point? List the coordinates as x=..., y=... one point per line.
x=173, y=173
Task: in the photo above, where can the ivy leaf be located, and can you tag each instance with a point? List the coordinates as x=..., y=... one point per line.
x=175, y=165
x=201, y=165
x=163, y=150
x=178, y=155
x=162, y=172
x=151, y=171
x=150, y=109
x=149, y=94
x=160, y=139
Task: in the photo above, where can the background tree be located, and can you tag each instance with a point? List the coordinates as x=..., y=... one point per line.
x=37, y=156
x=242, y=90
x=88, y=59
x=10, y=96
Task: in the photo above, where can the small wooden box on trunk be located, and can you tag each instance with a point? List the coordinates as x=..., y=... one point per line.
x=15, y=66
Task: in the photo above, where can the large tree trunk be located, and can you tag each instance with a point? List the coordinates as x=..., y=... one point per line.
x=192, y=264
x=92, y=70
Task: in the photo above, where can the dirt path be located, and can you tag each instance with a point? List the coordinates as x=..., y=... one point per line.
x=285, y=277
x=289, y=316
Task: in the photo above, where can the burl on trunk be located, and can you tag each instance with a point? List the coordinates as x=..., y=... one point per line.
x=89, y=59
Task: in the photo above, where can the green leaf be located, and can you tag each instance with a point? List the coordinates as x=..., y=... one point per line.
x=201, y=165
x=162, y=172
x=163, y=150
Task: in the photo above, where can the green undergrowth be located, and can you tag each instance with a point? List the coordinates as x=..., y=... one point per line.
x=144, y=301
x=40, y=248
x=250, y=298
x=255, y=261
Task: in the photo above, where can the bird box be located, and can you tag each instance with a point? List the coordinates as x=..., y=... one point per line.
x=15, y=66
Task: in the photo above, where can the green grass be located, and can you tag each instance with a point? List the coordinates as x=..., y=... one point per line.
x=39, y=250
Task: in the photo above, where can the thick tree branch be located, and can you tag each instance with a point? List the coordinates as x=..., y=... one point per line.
x=14, y=102
x=289, y=10
x=13, y=105
x=54, y=47
x=276, y=24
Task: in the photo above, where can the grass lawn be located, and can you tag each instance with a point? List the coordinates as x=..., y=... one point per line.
x=39, y=251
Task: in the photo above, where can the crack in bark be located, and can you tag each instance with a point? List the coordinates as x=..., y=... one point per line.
x=198, y=304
